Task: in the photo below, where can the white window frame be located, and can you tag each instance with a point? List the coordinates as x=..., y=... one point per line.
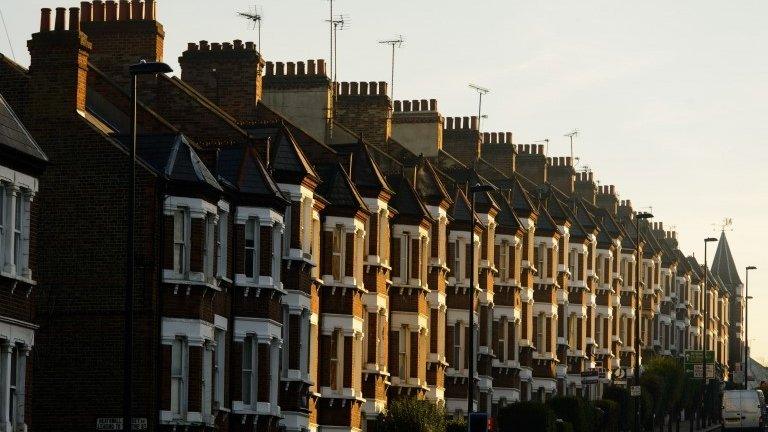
x=541, y=261
x=503, y=339
x=541, y=334
x=222, y=242
x=209, y=236
x=181, y=241
x=255, y=249
x=383, y=328
x=336, y=375
x=179, y=377
x=338, y=256
x=458, y=346
x=599, y=331
x=458, y=261
x=404, y=353
x=504, y=261
x=3, y=214
x=20, y=232
x=405, y=258
x=207, y=381
x=572, y=331
x=250, y=375
x=219, y=366
x=13, y=381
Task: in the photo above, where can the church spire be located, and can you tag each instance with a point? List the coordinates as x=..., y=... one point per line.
x=724, y=266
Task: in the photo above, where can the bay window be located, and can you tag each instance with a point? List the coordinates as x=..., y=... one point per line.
x=336, y=355
x=504, y=261
x=541, y=251
x=599, y=331
x=458, y=268
x=250, y=365
x=404, y=357
x=3, y=200
x=503, y=339
x=458, y=352
x=337, y=250
x=541, y=335
x=219, y=366
x=209, y=235
x=406, y=258
x=572, y=332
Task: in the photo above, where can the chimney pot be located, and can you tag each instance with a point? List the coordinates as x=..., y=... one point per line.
x=311, y=70
x=372, y=88
x=320, y=67
x=227, y=46
x=111, y=10
x=250, y=46
x=433, y=104
x=363, y=86
x=300, y=68
x=60, y=13
x=291, y=69
x=424, y=105
x=86, y=11
x=415, y=105
x=74, y=19
x=279, y=68
x=527, y=149
x=383, y=86
x=407, y=105
x=486, y=137
x=494, y=138
x=344, y=88
x=398, y=106
x=150, y=10
x=125, y=10
x=270, y=68
x=238, y=44
x=138, y=9
x=204, y=45
x=191, y=46
x=473, y=124
x=216, y=46
x=98, y=10
x=612, y=189
x=449, y=122
x=45, y=19
x=590, y=176
x=510, y=139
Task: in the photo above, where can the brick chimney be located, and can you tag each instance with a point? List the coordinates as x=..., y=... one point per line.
x=585, y=187
x=228, y=74
x=531, y=162
x=607, y=199
x=671, y=238
x=498, y=149
x=418, y=126
x=302, y=93
x=625, y=212
x=58, y=67
x=365, y=108
x=461, y=138
x=122, y=35
x=561, y=174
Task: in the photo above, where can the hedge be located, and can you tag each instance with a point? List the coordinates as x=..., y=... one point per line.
x=526, y=416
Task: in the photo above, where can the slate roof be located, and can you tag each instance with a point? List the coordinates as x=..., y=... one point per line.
x=406, y=200
x=242, y=168
x=172, y=156
x=286, y=157
x=506, y=218
x=429, y=185
x=724, y=266
x=15, y=136
x=337, y=187
x=461, y=211
x=365, y=171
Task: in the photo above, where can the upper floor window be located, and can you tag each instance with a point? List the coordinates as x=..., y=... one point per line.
x=252, y=245
x=209, y=238
x=599, y=331
x=336, y=372
x=179, y=374
x=219, y=366
x=504, y=261
x=503, y=332
x=181, y=240
x=541, y=334
x=406, y=258
x=458, y=350
x=404, y=358
x=541, y=252
x=222, y=239
x=441, y=239
x=337, y=250
x=458, y=268
x=572, y=336
x=250, y=366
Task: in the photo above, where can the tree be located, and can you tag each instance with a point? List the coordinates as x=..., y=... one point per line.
x=411, y=414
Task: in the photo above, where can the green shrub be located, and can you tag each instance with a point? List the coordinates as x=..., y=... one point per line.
x=573, y=410
x=563, y=426
x=610, y=415
x=413, y=415
x=456, y=425
x=620, y=395
x=526, y=416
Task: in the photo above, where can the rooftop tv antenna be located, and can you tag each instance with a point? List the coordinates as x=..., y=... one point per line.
x=571, y=135
x=395, y=43
x=339, y=22
x=254, y=16
x=481, y=91
x=546, y=145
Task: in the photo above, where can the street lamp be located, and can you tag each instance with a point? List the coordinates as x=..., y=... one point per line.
x=638, y=217
x=471, y=344
x=746, y=329
x=141, y=68
x=707, y=241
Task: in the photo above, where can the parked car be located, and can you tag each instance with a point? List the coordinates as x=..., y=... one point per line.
x=742, y=410
x=763, y=407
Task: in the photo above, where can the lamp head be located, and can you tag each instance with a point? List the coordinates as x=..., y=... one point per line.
x=643, y=215
x=710, y=240
x=148, y=68
x=751, y=268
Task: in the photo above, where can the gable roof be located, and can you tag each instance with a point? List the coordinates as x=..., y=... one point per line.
x=337, y=188
x=286, y=158
x=172, y=155
x=15, y=136
x=724, y=266
x=406, y=200
x=242, y=169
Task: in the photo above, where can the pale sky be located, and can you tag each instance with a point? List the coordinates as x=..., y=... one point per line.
x=669, y=96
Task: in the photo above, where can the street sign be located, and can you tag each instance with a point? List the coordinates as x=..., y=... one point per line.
x=619, y=373
x=116, y=423
x=634, y=391
x=698, y=370
x=620, y=383
x=697, y=356
x=590, y=377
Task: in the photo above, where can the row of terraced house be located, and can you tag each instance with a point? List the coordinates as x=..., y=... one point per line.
x=303, y=247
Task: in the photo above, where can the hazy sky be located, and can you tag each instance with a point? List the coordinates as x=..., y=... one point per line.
x=670, y=97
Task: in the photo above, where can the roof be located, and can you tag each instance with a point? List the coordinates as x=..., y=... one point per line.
x=724, y=266
x=15, y=136
x=337, y=187
x=406, y=200
x=364, y=171
x=285, y=158
x=242, y=168
x=172, y=155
